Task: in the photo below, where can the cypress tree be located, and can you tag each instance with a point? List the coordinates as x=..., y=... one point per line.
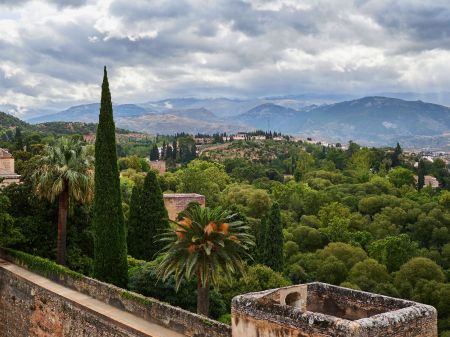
x=163, y=151
x=19, y=139
x=421, y=175
x=154, y=153
x=148, y=218
x=174, y=149
x=110, y=246
x=396, y=156
x=169, y=152
x=273, y=240
x=261, y=240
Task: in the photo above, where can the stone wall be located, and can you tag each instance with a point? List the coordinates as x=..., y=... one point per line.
x=158, y=165
x=27, y=309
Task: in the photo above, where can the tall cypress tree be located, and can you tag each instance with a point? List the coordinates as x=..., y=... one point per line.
x=110, y=246
x=396, y=156
x=154, y=153
x=273, y=241
x=261, y=240
x=163, y=151
x=148, y=218
x=421, y=175
x=174, y=149
x=19, y=139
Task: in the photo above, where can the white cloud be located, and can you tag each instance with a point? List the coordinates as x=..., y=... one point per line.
x=52, y=52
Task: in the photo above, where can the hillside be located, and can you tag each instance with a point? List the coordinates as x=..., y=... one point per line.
x=71, y=128
x=8, y=121
x=88, y=113
x=267, y=116
x=170, y=124
x=374, y=120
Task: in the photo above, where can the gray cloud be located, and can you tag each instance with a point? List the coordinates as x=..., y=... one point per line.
x=58, y=3
x=252, y=48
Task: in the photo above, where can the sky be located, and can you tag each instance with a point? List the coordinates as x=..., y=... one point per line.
x=52, y=52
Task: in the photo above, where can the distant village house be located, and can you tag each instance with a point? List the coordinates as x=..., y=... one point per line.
x=7, y=174
x=429, y=181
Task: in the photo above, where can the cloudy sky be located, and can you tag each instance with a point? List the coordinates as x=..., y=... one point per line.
x=52, y=52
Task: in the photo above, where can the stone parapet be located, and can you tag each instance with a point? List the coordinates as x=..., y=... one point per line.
x=322, y=310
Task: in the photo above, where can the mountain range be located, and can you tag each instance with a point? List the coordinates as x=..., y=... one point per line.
x=375, y=120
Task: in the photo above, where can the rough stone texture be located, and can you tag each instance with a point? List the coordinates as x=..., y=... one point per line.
x=321, y=310
x=27, y=309
x=177, y=202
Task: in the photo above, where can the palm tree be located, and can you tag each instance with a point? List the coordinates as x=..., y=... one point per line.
x=65, y=172
x=206, y=243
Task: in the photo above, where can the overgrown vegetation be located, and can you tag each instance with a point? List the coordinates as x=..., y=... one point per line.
x=40, y=265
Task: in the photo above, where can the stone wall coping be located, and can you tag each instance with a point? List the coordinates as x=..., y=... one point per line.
x=182, y=195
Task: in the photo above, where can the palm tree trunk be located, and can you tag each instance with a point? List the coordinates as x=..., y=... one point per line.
x=202, y=297
x=63, y=205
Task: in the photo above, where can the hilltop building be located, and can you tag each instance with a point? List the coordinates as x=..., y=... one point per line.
x=429, y=181
x=7, y=174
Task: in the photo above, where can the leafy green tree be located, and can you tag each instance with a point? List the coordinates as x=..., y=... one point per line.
x=205, y=244
x=154, y=153
x=360, y=163
x=64, y=173
x=335, y=219
x=421, y=175
x=251, y=201
x=110, y=244
x=346, y=253
x=393, y=251
x=416, y=269
x=9, y=234
x=148, y=219
x=273, y=240
x=255, y=278
x=204, y=178
x=307, y=238
x=401, y=176
x=368, y=275
x=305, y=163
x=332, y=270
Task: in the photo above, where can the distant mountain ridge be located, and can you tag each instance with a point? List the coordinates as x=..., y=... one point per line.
x=88, y=113
x=374, y=120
